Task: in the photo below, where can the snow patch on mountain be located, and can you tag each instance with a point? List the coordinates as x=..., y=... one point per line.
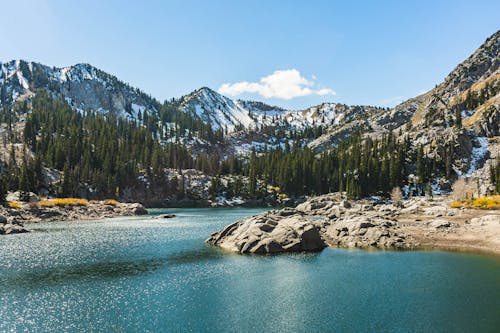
x=477, y=154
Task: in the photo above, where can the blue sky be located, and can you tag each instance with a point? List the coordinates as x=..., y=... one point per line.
x=288, y=53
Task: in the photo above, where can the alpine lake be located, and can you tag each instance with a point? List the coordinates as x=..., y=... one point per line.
x=140, y=274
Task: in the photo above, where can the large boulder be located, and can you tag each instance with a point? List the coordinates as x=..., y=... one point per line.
x=271, y=232
x=486, y=220
x=137, y=209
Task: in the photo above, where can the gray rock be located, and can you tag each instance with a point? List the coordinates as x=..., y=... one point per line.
x=439, y=224
x=13, y=229
x=486, y=219
x=137, y=209
x=270, y=233
x=345, y=204
x=314, y=224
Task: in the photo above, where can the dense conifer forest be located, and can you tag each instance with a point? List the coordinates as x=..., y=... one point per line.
x=101, y=154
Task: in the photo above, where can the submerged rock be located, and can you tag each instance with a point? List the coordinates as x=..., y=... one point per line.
x=165, y=216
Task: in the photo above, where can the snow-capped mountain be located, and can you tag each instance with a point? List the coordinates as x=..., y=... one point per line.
x=229, y=115
x=83, y=86
x=472, y=89
x=233, y=115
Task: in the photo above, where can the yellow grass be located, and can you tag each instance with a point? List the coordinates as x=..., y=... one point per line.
x=15, y=204
x=478, y=115
x=63, y=202
x=476, y=87
x=489, y=202
x=273, y=188
x=111, y=202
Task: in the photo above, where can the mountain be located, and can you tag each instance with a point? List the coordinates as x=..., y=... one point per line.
x=232, y=115
x=82, y=86
x=223, y=113
x=471, y=88
x=428, y=140
x=85, y=87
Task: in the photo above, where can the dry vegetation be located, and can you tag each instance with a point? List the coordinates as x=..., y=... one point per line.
x=397, y=196
x=489, y=202
x=15, y=204
x=463, y=189
x=61, y=202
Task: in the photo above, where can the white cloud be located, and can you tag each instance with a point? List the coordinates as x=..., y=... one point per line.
x=325, y=91
x=392, y=101
x=283, y=84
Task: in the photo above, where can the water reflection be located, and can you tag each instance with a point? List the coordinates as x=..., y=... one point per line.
x=113, y=269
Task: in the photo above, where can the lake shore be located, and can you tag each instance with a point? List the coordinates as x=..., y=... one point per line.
x=12, y=219
x=330, y=221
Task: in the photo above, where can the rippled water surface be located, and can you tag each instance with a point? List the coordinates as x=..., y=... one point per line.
x=139, y=274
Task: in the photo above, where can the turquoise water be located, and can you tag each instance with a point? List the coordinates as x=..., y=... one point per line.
x=138, y=275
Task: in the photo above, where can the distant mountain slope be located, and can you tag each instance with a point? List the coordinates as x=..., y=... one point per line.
x=472, y=86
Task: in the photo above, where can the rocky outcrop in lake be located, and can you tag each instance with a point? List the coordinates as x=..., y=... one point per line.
x=330, y=221
x=313, y=225
x=276, y=231
x=12, y=219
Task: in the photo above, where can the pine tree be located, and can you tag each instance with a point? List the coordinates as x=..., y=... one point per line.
x=429, y=191
x=458, y=118
x=252, y=186
x=3, y=189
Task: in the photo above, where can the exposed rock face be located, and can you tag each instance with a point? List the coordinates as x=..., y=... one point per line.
x=330, y=221
x=313, y=225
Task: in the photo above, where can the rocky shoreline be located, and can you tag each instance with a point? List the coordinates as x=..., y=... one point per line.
x=330, y=221
x=12, y=219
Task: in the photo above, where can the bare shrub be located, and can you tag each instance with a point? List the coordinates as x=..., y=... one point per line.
x=459, y=189
x=396, y=196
